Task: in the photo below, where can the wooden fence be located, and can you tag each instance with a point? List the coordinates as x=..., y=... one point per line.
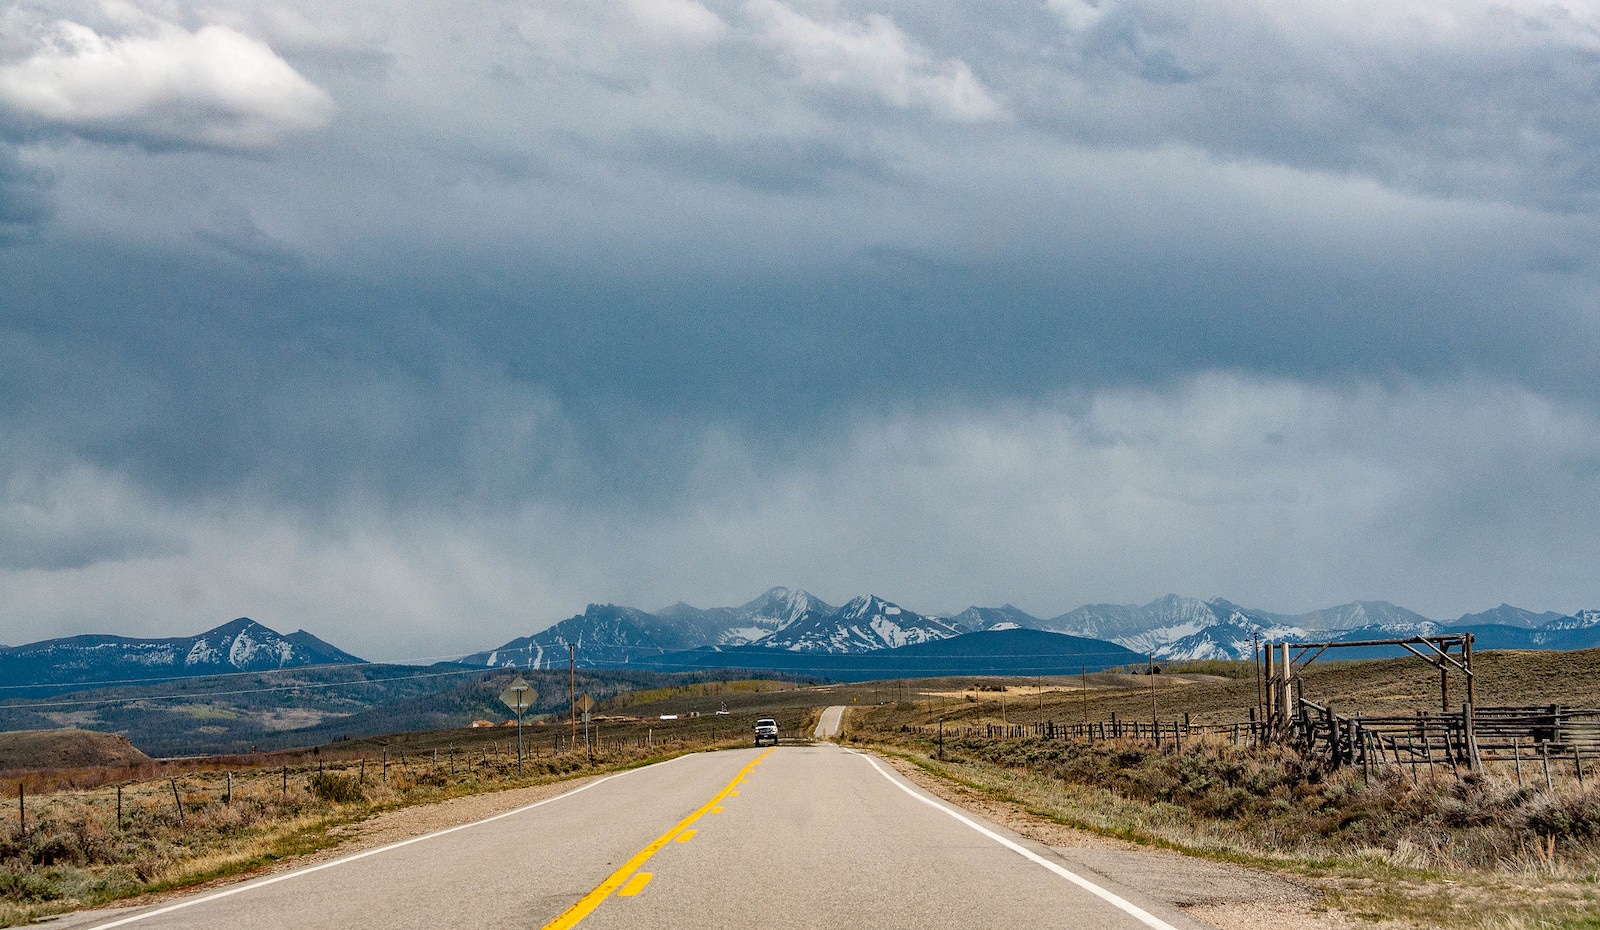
x=1538, y=735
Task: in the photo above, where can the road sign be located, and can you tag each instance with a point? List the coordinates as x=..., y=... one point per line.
x=519, y=695
x=585, y=703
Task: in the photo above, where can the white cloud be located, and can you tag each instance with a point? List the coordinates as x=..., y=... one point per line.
x=163, y=86
x=875, y=56
x=1080, y=15
x=678, y=19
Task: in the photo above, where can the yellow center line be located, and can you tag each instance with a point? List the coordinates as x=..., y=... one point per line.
x=687, y=835
x=586, y=904
x=635, y=884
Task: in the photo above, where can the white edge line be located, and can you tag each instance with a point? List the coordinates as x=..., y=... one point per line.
x=1104, y=894
x=296, y=873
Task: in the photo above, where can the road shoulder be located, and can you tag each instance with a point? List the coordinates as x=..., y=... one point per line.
x=1221, y=894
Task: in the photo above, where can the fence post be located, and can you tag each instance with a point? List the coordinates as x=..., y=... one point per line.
x=1332, y=721
x=1470, y=732
x=22, y=811
x=1516, y=757
x=1577, y=763
x=119, y=807
x=286, y=781
x=1544, y=754
x=177, y=800
x=1286, y=694
x=228, y=798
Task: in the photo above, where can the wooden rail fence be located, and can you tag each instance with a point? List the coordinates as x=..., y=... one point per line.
x=1538, y=735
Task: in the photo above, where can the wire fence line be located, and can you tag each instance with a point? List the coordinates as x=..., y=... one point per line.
x=1537, y=744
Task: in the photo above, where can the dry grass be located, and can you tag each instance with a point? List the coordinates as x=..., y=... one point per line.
x=76, y=854
x=1217, y=692
x=1472, y=853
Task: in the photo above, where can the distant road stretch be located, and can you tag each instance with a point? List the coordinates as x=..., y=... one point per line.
x=801, y=836
x=828, y=726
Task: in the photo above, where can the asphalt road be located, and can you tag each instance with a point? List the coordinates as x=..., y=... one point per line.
x=793, y=836
x=828, y=723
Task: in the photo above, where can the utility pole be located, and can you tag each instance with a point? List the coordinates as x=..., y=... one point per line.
x=572, y=687
x=1084, y=671
x=1152, y=673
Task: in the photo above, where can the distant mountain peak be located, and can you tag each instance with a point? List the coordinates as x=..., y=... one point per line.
x=240, y=645
x=1507, y=615
x=867, y=605
x=866, y=623
x=1004, y=617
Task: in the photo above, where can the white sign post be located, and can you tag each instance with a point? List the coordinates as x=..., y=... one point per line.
x=519, y=696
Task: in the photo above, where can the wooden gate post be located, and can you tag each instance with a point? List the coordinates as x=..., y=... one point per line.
x=1286, y=687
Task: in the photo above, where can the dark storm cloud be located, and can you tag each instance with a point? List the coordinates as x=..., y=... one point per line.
x=24, y=197
x=461, y=385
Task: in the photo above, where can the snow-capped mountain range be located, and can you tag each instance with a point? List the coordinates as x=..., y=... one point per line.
x=864, y=624
x=1184, y=628
x=606, y=634
x=1170, y=628
x=242, y=645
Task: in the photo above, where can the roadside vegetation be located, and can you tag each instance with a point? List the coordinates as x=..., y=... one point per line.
x=200, y=820
x=1470, y=852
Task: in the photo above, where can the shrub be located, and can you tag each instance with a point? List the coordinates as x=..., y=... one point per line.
x=55, y=849
x=29, y=886
x=340, y=789
x=1575, y=814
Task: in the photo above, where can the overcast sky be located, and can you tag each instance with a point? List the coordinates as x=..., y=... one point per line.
x=420, y=326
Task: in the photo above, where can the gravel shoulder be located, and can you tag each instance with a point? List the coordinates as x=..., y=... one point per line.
x=1224, y=895
x=405, y=823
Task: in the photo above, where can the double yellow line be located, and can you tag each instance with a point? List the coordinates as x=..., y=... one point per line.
x=620, y=878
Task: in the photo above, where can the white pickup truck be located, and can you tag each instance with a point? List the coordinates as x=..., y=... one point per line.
x=767, y=729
